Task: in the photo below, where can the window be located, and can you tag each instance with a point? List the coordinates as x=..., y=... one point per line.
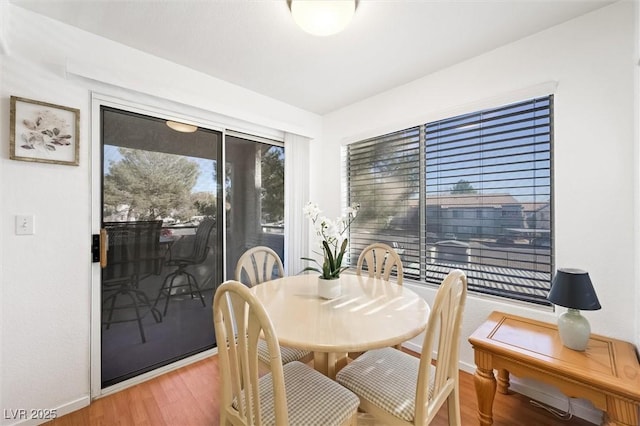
x=383, y=175
x=255, y=196
x=471, y=192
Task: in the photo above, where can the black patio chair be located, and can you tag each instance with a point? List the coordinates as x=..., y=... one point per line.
x=197, y=255
x=133, y=254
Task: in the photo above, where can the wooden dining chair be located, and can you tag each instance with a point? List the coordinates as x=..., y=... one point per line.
x=400, y=389
x=380, y=260
x=293, y=394
x=255, y=266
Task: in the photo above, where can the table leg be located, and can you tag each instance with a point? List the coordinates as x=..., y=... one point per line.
x=503, y=382
x=329, y=363
x=321, y=362
x=341, y=361
x=620, y=413
x=485, y=384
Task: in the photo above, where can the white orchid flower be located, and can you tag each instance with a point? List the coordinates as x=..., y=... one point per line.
x=311, y=210
x=332, y=233
x=352, y=210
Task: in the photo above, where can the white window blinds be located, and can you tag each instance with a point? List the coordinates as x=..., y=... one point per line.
x=472, y=192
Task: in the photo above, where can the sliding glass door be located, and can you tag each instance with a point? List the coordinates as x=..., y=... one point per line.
x=162, y=211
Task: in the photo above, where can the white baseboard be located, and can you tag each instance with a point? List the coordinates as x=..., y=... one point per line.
x=539, y=392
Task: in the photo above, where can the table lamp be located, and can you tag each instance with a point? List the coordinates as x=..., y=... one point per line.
x=572, y=289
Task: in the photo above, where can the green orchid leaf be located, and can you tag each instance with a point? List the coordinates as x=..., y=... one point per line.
x=311, y=260
x=326, y=271
x=310, y=268
x=329, y=257
x=341, y=255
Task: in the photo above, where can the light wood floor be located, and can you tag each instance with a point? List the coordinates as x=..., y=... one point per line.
x=189, y=397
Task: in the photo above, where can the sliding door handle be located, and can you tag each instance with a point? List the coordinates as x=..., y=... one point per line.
x=99, y=246
x=104, y=244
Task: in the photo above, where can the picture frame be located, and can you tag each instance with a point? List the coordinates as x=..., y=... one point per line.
x=44, y=132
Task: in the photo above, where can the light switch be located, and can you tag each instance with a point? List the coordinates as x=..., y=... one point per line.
x=25, y=225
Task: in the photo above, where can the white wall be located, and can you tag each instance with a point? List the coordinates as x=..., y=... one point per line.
x=593, y=60
x=45, y=278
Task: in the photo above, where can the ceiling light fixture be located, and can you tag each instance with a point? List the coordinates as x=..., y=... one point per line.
x=182, y=127
x=322, y=17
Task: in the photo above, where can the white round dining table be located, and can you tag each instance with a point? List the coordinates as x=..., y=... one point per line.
x=370, y=313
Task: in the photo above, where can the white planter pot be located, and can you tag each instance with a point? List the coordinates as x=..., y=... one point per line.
x=329, y=289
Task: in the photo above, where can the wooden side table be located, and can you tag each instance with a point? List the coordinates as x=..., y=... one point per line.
x=607, y=373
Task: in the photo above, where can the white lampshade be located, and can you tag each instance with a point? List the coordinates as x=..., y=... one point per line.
x=182, y=127
x=322, y=17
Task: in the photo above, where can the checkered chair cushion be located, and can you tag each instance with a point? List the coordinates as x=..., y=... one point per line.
x=288, y=354
x=312, y=398
x=387, y=379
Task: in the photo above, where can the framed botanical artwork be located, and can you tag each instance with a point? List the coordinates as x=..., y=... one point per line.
x=44, y=132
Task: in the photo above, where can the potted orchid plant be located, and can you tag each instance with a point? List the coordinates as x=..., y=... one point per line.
x=332, y=238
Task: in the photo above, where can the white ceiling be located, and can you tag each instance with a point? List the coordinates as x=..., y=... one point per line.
x=255, y=44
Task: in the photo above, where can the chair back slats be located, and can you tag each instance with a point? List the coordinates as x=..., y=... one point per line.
x=443, y=330
x=239, y=321
x=133, y=249
x=380, y=260
x=148, y=245
x=201, y=243
x=257, y=265
x=120, y=254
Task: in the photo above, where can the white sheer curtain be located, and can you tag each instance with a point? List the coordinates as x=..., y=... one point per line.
x=296, y=190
